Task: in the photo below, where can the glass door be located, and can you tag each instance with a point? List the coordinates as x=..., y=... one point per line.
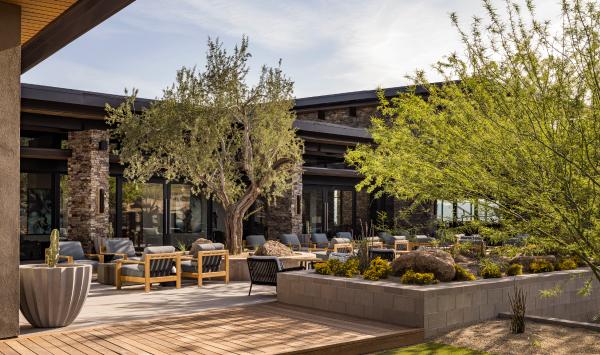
x=328, y=209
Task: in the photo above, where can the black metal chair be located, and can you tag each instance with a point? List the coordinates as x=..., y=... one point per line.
x=264, y=269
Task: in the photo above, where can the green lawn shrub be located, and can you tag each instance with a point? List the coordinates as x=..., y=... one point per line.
x=490, y=270
x=514, y=270
x=462, y=274
x=378, y=269
x=417, y=278
x=540, y=265
x=566, y=264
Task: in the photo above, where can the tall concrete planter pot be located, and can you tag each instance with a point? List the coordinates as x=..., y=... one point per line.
x=53, y=296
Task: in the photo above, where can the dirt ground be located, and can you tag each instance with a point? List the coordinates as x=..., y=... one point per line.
x=495, y=337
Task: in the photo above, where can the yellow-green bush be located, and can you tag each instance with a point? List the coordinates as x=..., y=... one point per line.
x=418, y=278
x=323, y=268
x=490, y=270
x=348, y=269
x=514, y=270
x=462, y=274
x=338, y=268
x=378, y=269
x=541, y=265
x=567, y=264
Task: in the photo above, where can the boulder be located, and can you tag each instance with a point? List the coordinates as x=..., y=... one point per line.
x=526, y=260
x=438, y=262
x=273, y=248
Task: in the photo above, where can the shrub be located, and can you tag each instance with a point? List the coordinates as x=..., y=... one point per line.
x=378, y=269
x=567, y=264
x=323, y=268
x=517, y=301
x=541, y=265
x=462, y=274
x=418, y=278
x=490, y=270
x=347, y=269
x=514, y=270
x=338, y=268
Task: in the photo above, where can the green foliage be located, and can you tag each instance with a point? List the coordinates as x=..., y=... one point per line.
x=515, y=125
x=566, y=264
x=213, y=130
x=378, y=269
x=540, y=265
x=418, y=278
x=518, y=301
x=462, y=274
x=490, y=270
x=323, y=268
x=52, y=251
x=181, y=245
x=514, y=270
x=338, y=268
x=508, y=251
x=551, y=292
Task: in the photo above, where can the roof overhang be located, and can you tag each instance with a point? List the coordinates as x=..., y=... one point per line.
x=49, y=25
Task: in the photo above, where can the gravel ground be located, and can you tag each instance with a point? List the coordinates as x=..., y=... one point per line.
x=495, y=337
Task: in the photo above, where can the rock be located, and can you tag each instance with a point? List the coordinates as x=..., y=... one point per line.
x=438, y=262
x=273, y=248
x=526, y=260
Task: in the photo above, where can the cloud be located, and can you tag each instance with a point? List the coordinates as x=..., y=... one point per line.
x=326, y=46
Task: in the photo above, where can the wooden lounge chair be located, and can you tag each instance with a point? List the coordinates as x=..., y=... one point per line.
x=291, y=240
x=421, y=241
x=319, y=241
x=264, y=269
x=72, y=252
x=156, y=266
x=398, y=243
x=205, y=261
x=119, y=248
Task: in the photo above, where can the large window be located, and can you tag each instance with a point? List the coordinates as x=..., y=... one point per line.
x=464, y=211
x=143, y=213
x=36, y=204
x=187, y=215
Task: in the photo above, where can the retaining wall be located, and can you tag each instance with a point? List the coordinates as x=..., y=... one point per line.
x=442, y=307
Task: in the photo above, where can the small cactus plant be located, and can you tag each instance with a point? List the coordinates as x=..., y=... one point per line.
x=52, y=251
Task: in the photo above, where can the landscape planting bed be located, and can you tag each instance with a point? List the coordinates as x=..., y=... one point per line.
x=442, y=307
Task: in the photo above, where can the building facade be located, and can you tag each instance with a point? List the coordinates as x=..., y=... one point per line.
x=69, y=179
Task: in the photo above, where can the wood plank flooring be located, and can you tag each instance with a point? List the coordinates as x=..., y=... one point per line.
x=270, y=328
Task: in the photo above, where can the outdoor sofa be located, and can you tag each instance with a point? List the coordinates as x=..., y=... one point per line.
x=72, y=252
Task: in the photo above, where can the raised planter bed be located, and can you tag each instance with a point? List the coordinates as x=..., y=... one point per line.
x=442, y=307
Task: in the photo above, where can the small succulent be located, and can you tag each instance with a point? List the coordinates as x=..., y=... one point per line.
x=52, y=251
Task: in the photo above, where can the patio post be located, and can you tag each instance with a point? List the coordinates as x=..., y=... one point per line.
x=10, y=103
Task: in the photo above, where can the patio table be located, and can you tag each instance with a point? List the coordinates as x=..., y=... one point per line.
x=106, y=273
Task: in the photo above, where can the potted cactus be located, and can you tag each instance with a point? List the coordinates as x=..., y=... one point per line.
x=53, y=294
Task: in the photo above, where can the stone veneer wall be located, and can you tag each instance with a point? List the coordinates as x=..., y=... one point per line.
x=342, y=116
x=282, y=216
x=442, y=307
x=88, y=174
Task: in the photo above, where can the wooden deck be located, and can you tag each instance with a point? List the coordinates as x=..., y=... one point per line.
x=270, y=328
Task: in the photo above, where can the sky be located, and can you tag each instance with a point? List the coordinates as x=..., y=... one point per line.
x=326, y=47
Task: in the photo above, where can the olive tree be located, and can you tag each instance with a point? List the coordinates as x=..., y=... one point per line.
x=515, y=125
x=212, y=129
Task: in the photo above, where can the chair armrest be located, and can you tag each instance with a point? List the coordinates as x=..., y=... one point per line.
x=68, y=257
x=295, y=268
x=100, y=257
x=127, y=261
x=188, y=257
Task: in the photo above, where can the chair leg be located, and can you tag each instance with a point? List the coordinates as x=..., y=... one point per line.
x=200, y=280
x=147, y=286
x=249, y=291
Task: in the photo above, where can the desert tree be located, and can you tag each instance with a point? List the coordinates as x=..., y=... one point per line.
x=514, y=126
x=214, y=130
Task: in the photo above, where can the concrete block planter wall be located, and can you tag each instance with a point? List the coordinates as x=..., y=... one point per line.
x=53, y=297
x=442, y=307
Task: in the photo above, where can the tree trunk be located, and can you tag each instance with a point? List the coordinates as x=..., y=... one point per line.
x=234, y=229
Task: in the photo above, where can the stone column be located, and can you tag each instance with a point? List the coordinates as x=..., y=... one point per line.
x=10, y=107
x=88, y=187
x=285, y=214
